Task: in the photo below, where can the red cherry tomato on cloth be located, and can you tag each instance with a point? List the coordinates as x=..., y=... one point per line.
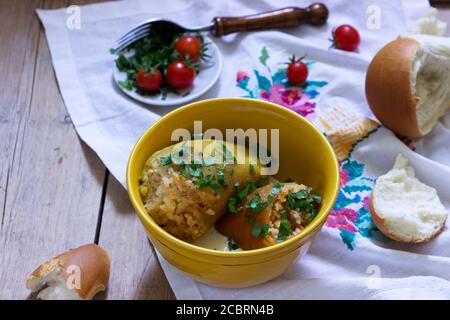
x=297, y=71
x=179, y=75
x=149, y=82
x=189, y=47
x=346, y=38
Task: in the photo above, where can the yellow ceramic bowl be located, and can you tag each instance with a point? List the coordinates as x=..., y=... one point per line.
x=305, y=156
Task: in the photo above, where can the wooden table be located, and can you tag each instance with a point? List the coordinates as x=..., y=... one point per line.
x=55, y=193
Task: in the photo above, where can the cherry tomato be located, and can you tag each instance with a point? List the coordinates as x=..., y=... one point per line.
x=297, y=71
x=180, y=76
x=149, y=82
x=346, y=38
x=189, y=47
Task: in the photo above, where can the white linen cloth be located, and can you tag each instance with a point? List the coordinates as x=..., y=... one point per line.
x=349, y=259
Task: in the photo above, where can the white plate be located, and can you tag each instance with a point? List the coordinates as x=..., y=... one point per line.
x=209, y=73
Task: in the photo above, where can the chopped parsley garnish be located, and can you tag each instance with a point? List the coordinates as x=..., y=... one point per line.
x=236, y=198
x=283, y=214
x=276, y=189
x=249, y=188
x=232, y=205
x=256, y=204
x=232, y=245
x=306, y=201
x=194, y=170
x=165, y=160
x=261, y=182
x=221, y=177
x=251, y=169
x=284, y=230
x=260, y=230
x=208, y=181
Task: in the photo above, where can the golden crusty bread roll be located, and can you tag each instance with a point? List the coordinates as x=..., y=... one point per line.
x=408, y=84
x=75, y=274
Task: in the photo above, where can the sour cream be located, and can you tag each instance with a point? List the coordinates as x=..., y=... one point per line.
x=214, y=240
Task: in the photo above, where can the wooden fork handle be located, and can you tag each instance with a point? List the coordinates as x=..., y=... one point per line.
x=316, y=15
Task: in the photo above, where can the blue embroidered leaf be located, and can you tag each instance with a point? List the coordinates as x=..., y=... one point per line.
x=263, y=82
x=354, y=168
x=312, y=93
x=249, y=94
x=348, y=238
x=256, y=91
x=364, y=223
x=279, y=76
x=348, y=188
x=243, y=83
x=342, y=201
x=313, y=85
x=264, y=56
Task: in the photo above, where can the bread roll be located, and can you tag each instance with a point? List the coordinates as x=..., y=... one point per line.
x=78, y=274
x=408, y=84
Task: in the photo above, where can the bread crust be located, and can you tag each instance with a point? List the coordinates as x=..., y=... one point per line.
x=94, y=265
x=380, y=223
x=388, y=87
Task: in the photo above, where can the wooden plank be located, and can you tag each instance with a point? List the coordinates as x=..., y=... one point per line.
x=135, y=270
x=19, y=37
x=19, y=41
x=54, y=182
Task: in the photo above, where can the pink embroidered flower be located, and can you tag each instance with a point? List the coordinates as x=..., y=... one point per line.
x=344, y=177
x=342, y=219
x=291, y=97
x=241, y=75
x=366, y=203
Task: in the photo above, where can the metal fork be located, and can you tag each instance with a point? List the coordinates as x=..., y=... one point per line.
x=143, y=30
x=316, y=15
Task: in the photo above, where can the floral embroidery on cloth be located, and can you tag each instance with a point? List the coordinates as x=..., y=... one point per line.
x=277, y=89
x=350, y=215
x=343, y=128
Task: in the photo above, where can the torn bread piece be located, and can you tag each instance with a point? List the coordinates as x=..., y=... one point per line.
x=78, y=274
x=405, y=209
x=429, y=23
x=408, y=84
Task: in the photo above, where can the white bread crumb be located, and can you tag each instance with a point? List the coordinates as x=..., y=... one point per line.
x=408, y=210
